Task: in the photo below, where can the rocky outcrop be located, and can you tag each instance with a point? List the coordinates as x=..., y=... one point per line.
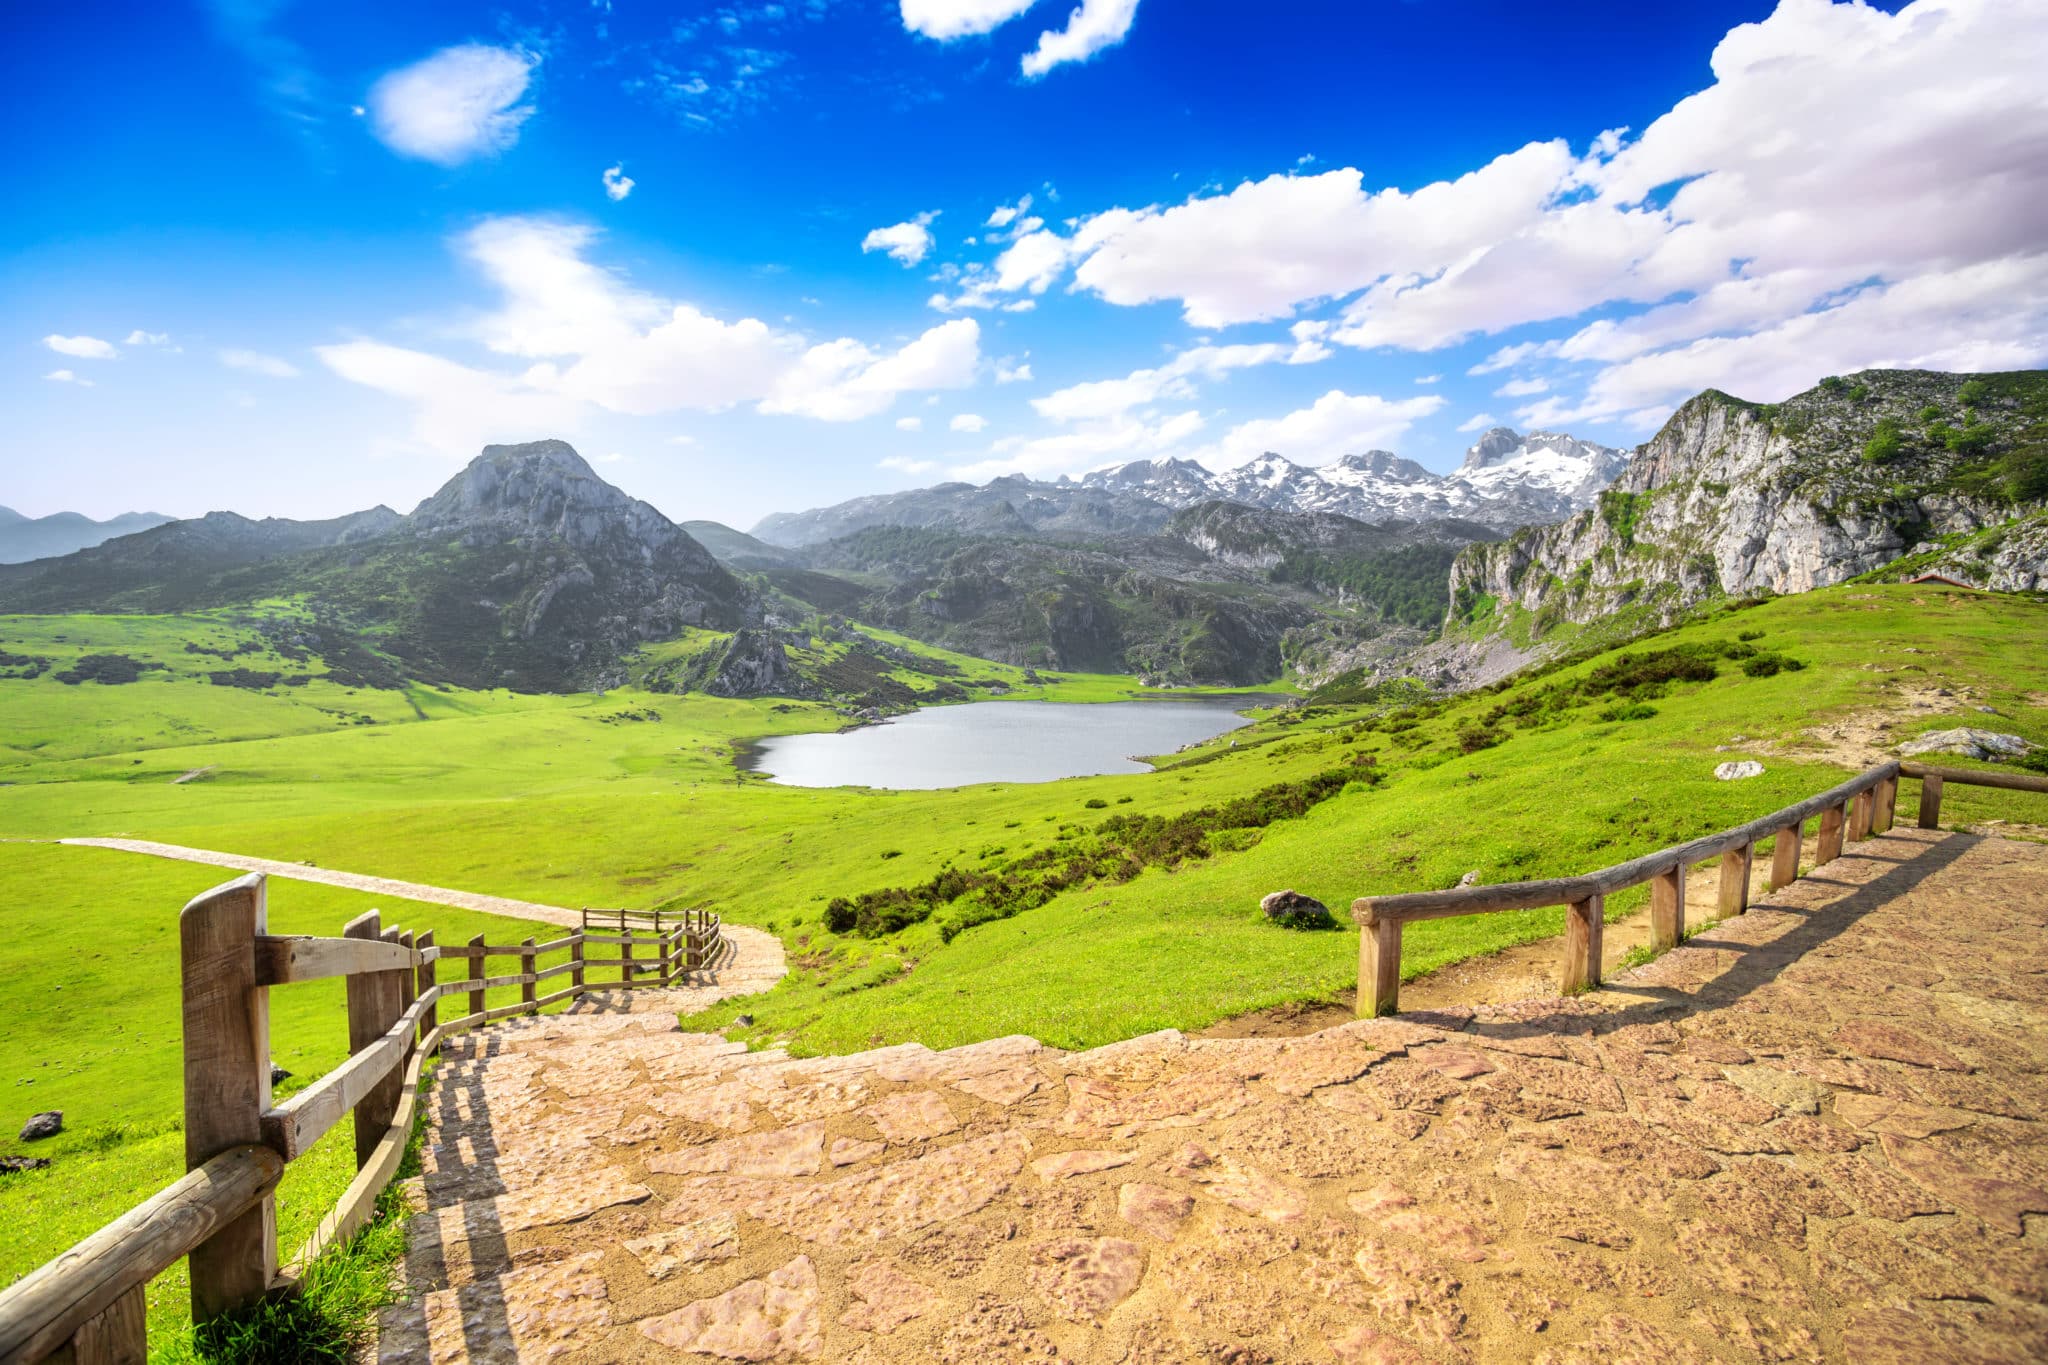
x=756, y=665
x=1740, y=498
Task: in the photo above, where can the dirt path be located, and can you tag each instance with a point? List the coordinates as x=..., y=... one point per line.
x=753, y=963
x=1816, y=1132
x=355, y=881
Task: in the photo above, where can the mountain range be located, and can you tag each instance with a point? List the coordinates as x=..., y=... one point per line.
x=25, y=538
x=527, y=570
x=1506, y=480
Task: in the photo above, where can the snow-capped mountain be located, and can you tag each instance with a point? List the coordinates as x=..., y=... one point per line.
x=1506, y=480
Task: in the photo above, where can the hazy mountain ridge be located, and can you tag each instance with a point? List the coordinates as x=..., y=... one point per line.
x=60, y=533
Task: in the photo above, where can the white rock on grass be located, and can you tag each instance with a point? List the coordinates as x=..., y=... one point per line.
x=1735, y=772
x=1968, y=743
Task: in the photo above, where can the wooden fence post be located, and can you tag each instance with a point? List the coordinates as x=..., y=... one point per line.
x=576, y=956
x=1785, y=856
x=661, y=950
x=1930, y=802
x=426, y=977
x=1379, y=964
x=226, y=1018
x=1583, y=922
x=1734, y=888
x=476, y=974
x=1667, y=909
x=1831, y=821
x=1859, y=816
x=408, y=991
x=1887, y=805
x=372, y=1010
x=526, y=966
x=625, y=955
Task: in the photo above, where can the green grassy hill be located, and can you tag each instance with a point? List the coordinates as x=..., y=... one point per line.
x=1090, y=910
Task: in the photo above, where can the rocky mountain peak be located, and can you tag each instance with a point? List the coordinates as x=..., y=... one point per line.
x=1499, y=443
x=539, y=489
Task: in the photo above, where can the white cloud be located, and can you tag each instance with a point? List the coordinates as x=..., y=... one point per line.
x=683, y=440
x=1336, y=424
x=1101, y=399
x=904, y=464
x=1429, y=379
x=457, y=409
x=1006, y=214
x=1092, y=26
x=969, y=422
x=138, y=337
x=1521, y=388
x=1479, y=421
x=1088, y=445
x=907, y=243
x=617, y=184
x=84, y=348
x=1839, y=150
x=68, y=377
x=910, y=424
x=615, y=457
x=1012, y=372
x=255, y=362
x=460, y=103
x=586, y=337
x=949, y=19
x=842, y=381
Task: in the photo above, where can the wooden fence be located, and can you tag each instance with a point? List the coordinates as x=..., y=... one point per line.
x=87, y=1305
x=1854, y=810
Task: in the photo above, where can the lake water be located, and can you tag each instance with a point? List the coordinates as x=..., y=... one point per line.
x=998, y=741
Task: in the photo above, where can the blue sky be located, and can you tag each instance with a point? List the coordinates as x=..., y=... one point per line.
x=295, y=259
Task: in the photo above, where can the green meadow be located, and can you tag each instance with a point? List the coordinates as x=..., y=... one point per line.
x=632, y=798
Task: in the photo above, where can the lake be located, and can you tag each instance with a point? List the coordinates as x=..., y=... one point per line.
x=998, y=741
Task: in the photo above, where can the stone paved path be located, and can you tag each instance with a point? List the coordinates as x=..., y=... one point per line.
x=1814, y=1133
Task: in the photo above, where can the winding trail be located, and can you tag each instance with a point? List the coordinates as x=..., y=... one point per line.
x=1816, y=1132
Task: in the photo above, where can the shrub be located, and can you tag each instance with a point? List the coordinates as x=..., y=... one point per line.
x=1770, y=665
x=1750, y=635
x=1930, y=413
x=1095, y=803
x=1973, y=393
x=1474, y=736
x=889, y=853
x=1884, y=443
x=1974, y=439
x=1859, y=393
x=1629, y=710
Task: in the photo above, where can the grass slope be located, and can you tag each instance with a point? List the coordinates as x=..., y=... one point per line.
x=631, y=798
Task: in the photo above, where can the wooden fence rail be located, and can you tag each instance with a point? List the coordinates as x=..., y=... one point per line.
x=1853, y=810
x=88, y=1303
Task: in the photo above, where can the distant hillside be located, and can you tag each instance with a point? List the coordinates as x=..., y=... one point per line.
x=1221, y=594
x=26, y=538
x=1926, y=471
x=737, y=549
x=1013, y=505
x=525, y=570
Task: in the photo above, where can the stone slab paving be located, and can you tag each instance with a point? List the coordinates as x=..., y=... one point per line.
x=1814, y=1133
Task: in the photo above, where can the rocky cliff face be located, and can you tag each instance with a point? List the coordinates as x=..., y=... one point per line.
x=1734, y=497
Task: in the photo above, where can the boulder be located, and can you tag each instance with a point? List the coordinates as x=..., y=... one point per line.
x=1968, y=742
x=47, y=1124
x=11, y=1165
x=1735, y=772
x=1296, y=911
x=278, y=1074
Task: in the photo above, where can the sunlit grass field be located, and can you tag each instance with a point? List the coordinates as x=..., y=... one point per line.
x=632, y=798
